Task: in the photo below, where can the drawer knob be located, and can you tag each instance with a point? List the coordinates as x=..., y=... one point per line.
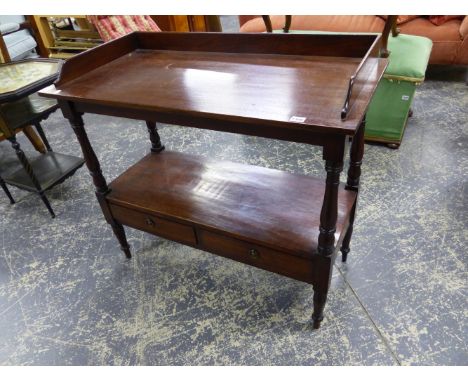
x=254, y=254
x=150, y=222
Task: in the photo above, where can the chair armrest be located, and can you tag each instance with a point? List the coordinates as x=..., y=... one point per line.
x=9, y=28
x=464, y=28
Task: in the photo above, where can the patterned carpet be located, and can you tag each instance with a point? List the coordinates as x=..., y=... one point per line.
x=69, y=297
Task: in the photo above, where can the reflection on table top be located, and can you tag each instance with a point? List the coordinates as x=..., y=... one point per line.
x=15, y=76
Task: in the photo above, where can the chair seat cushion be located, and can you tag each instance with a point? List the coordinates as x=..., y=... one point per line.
x=409, y=56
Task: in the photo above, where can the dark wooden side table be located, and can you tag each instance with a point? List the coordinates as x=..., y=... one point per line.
x=302, y=88
x=20, y=106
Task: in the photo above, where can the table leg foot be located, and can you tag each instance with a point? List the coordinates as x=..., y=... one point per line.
x=122, y=238
x=344, y=254
x=156, y=145
x=47, y=204
x=316, y=324
x=346, y=240
x=127, y=252
x=320, y=298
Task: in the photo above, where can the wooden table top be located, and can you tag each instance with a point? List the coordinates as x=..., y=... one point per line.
x=281, y=89
x=254, y=86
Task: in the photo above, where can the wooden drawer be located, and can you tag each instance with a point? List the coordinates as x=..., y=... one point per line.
x=258, y=256
x=161, y=227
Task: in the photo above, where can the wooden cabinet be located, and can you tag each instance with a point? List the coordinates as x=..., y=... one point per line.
x=185, y=23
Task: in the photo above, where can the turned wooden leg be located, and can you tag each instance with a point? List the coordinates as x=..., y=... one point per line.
x=30, y=172
x=287, y=23
x=390, y=26
x=267, y=21
x=7, y=191
x=156, y=146
x=100, y=184
x=320, y=298
x=354, y=175
x=347, y=238
x=326, y=241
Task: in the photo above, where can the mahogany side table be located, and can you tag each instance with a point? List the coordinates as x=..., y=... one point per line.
x=303, y=88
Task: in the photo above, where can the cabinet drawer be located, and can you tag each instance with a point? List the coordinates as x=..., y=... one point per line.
x=258, y=256
x=161, y=227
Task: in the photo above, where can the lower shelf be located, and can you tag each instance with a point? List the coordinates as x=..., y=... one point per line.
x=226, y=208
x=50, y=169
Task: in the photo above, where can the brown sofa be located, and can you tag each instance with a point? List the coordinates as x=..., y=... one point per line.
x=450, y=40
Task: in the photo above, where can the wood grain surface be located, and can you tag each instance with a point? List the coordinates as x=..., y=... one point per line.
x=260, y=205
x=296, y=81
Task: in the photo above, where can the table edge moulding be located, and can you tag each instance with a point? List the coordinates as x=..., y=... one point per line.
x=23, y=91
x=289, y=224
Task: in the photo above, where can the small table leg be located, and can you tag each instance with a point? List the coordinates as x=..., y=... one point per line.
x=29, y=170
x=326, y=240
x=101, y=187
x=354, y=174
x=156, y=145
x=7, y=191
x=324, y=269
x=119, y=232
